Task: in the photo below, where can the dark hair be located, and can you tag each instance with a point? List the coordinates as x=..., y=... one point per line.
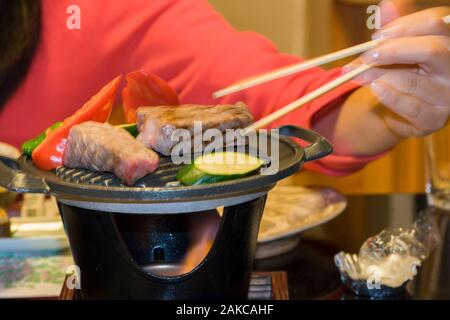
x=20, y=25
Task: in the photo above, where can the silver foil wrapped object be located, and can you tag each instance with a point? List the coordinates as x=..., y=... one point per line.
x=386, y=262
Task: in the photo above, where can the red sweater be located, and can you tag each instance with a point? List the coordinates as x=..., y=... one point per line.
x=185, y=42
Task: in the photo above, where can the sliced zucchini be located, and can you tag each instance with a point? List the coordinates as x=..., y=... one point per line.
x=220, y=166
x=189, y=175
x=227, y=163
x=130, y=127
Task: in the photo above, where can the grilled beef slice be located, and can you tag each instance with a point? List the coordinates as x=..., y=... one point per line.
x=103, y=147
x=156, y=124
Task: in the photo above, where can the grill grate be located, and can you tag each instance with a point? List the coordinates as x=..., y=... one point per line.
x=164, y=176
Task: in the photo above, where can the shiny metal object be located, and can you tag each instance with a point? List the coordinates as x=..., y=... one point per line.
x=388, y=261
x=351, y=276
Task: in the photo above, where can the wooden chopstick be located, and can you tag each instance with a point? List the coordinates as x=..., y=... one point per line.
x=302, y=66
x=305, y=99
x=295, y=68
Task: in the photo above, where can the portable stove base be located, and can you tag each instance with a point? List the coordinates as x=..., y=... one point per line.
x=111, y=261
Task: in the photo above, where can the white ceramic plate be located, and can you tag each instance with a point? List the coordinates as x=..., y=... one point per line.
x=291, y=210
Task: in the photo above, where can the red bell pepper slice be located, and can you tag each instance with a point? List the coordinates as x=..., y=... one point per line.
x=146, y=89
x=48, y=155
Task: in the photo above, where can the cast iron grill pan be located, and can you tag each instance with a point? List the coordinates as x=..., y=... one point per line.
x=161, y=186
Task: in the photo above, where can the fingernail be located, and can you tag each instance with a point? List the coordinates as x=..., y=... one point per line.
x=379, y=35
x=363, y=79
x=387, y=33
x=370, y=56
x=377, y=88
x=359, y=80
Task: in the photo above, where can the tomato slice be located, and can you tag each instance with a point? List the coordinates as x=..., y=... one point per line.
x=146, y=89
x=48, y=155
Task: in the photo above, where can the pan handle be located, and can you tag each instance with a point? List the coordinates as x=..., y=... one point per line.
x=319, y=146
x=13, y=179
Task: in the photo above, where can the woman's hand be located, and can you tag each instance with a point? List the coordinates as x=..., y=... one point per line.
x=412, y=74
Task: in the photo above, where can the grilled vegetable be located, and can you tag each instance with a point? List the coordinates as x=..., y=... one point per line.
x=48, y=154
x=189, y=175
x=146, y=89
x=227, y=163
x=130, y=127
x=30, y=145
x=219, y=166
x=53, y=127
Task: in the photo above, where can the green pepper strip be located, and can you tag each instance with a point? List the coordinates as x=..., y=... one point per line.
x=30, y=145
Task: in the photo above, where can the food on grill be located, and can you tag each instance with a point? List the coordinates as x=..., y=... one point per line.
x=142, y=89
x=157, y=124
x=219, y=166
x=103, y=147
x=30, y=145
x=145, y=89
x=48, y=154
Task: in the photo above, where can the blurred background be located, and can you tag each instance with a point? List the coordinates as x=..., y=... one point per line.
x=310, y=28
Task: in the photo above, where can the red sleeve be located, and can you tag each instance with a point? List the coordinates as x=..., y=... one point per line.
x=192, y=46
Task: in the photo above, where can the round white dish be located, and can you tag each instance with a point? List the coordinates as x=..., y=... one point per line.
x=291, y=210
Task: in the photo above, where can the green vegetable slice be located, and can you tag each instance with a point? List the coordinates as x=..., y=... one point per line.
x=221, y=166
x=189, y=175
x=30, y=145
x=227, y=163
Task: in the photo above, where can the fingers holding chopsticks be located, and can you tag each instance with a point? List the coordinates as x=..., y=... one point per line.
x=422, y=118
x=411, y=71
x=411, y=82
x=430, y=53
x=423, y=102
